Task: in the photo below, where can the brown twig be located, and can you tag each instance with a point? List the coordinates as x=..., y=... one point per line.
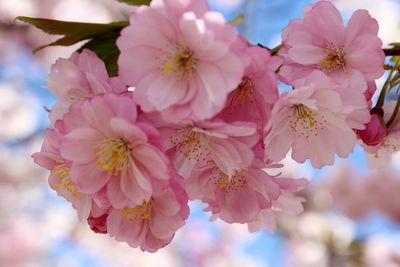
x=391, y=52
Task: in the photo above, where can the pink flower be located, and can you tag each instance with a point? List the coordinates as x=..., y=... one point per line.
x=375, y=131
x=106, y=146
x=191, y=145
x=60, y=173
x=321, y=41
x=183, y=59
x=313, y=122
x=370, y=90
x=250, y=196
x=287, y=203
x=255, y=96
x=82, y=76
x=379, y=155
x=354, y=102
x=153, y=223
x=236, y=199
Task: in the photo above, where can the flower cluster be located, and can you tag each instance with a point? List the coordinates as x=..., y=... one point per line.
x=195, y=114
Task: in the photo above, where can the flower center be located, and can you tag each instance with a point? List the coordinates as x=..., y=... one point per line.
x=244, y=92
x=304, y=121
x=222, y=181
x=76, y=95
x=191, y=144
x=63, y=172
x=113, y=155
x=140, y=212
x=334, y=60
x=391, y=146
x=181, y=62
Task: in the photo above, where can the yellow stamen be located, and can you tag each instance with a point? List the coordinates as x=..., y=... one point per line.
x=334, y=60
x=113, y=155
x=140, y=212
x=222, y=181
x=191, y=143
x=243, y=92
x=306, y=122
x=63, y=172
x=301, y=112
x=181, y=62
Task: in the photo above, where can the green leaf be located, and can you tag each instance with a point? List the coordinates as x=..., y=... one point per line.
x=101, y=37
x=74, y=32
x=395, y=60
x=63, y=41
x=75, y=29
x=396, y=44
x=106, y=49
x=135, y=2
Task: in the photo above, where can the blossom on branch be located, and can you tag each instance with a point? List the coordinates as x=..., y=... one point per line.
x=182, y=58
x=321, y=41
x=313, y=122
x=80, y=77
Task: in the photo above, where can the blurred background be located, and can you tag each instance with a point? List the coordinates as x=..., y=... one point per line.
x=352, y=216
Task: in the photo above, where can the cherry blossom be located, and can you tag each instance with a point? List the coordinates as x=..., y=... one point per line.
x=151, y=224
x=107, y=147
x=254, y=97
x=311, y=121
x=192, y=145
x=82, y=76
x=60, y=170
x=337, y=50
x=182, y=58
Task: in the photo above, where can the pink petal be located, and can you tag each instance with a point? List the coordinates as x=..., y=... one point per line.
x=153, y=160
x=88, y=178
x=240, y=207
x=325, y=21
x=128, y=131
x=135, y=186
x=79, y=145
x=167, y=204
x=83, y=205
x=164, y=227
x=360, y=23
x=114, y=194
x=307, y=54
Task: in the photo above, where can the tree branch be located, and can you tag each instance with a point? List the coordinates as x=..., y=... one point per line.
x=392, y=52
x=388, y=51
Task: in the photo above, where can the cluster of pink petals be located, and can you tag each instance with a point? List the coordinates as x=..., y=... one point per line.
x=314, y=122
x=321, y=41
x=82, y=76
x=113, y=170
x=250, y=196
x=257, y=93
x=203, y=118
x=194, y=145
x=333, y=85
x=59, y=179
x=182, y=58
x=379, y=141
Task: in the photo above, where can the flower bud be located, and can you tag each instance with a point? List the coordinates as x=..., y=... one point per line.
x=98, y=225
x=374, y=132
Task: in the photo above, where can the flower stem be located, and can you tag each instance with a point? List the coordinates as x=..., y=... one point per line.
x=394, y=114
x=391, y=52
x=386, y=87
